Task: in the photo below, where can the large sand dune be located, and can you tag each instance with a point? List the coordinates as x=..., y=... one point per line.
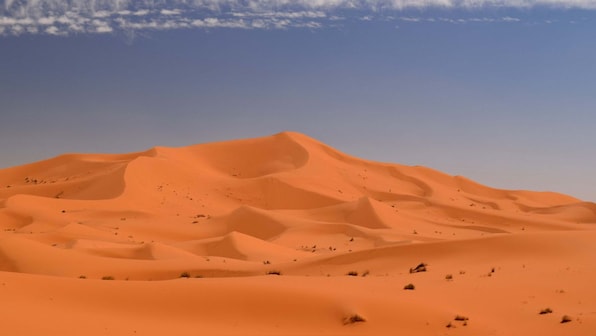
x=258, y=236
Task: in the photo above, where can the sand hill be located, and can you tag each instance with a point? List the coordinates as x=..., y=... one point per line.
x=283, y=235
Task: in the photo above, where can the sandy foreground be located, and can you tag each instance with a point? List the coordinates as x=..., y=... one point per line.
x=283, y=235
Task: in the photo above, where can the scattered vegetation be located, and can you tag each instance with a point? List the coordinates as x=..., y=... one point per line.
x=354, y=319
x=107, y=277
x=274, y=273
x=449, y=277
x=185, y=275
x=409, y=287
x=459, y=318
x=352, y=273
x=546, y=311
x=420, y=268
x=365, y=273
x=566, y=319
x=82, y=277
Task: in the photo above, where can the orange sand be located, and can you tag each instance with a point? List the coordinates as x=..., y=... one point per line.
x=228, y=214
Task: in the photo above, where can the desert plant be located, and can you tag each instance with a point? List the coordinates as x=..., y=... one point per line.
x=460, y=318
x=420, y=268
x=352, y=273
x=409, y=287
x=449, y=277
x=354, y=319
x=546, y=311
x=274, y=273
x=107, y=277
x=82, y=277
x=185, y=275
x=566, y=319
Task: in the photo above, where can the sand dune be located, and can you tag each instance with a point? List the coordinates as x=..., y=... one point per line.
x=283, y=235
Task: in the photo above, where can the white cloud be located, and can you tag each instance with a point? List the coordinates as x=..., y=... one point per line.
x=46, y=21
x=212, y=22
x=141, y=12
x=52, y=30
x=104, y=29
x=410, y=19
x=9, y=21
x=17, y=29
x=101, y=14
x=506, y=19
x=81, y=16
x=170, y=12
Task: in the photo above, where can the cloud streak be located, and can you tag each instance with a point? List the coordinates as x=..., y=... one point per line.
x=65, y=17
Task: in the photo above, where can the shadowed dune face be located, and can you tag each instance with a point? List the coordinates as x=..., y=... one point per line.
x=288, y=205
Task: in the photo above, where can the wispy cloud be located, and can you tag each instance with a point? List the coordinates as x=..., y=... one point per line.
x=64, y=17
x=461, y=20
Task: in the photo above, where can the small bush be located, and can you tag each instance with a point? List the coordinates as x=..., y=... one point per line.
x=449, y=277
x=185, y=275
x=409, y=287
x=566, y=319
x=460, y=318
x=352, y=273
x=82, y=277
x=420, y=268
x=354, y=319
x=546, y=311
x=274, y=273
x=107, y=277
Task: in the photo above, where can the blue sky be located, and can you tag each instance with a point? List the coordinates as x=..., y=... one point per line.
x=498, y=91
